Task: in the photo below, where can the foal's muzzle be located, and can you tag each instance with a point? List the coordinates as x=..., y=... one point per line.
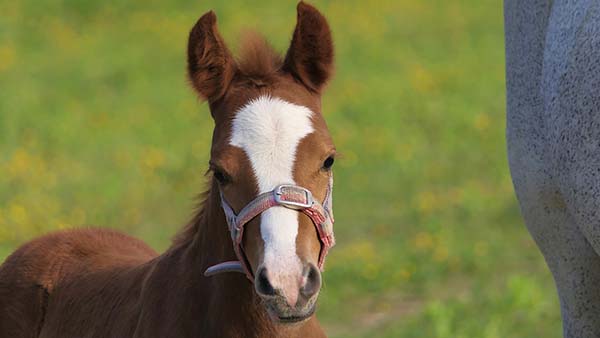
x=291, y=302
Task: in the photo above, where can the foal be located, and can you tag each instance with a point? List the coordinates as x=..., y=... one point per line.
x=267, y=213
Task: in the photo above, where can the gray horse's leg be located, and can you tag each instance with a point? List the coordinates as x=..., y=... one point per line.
x=558, y=207
x=574, y=128
x=573, y=262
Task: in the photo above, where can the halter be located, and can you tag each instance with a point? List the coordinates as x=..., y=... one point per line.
x=285, y=195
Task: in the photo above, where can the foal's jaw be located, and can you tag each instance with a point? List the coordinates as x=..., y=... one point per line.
x=291, y=319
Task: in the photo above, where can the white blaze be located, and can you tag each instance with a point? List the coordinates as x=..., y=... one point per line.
x=269, y=130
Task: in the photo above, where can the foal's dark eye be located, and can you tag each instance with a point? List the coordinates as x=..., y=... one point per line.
x=328, y=163
x=222, y=178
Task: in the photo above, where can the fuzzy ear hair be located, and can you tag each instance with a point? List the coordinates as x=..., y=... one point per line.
x=310, y=56
x=210, y=64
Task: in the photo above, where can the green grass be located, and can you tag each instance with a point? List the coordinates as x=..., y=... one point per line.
x=98, y=126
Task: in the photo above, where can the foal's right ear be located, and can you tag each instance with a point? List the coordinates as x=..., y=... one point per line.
x=210, y=64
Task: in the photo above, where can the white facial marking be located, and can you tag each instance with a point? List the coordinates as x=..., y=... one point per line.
x=269, y=130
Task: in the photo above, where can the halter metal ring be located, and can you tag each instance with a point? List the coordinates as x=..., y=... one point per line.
x=278, y=193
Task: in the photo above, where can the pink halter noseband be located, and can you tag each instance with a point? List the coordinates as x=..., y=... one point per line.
x=285, y=195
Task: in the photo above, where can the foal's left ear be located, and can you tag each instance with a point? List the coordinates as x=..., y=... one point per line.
x=210, y=64
x=310, y=56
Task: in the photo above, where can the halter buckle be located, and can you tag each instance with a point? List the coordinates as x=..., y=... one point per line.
x=279, y=194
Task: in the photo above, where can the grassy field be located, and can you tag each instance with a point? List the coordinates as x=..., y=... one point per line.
x=98, y=126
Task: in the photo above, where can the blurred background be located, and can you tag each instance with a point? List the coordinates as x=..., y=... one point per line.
x=99, y=127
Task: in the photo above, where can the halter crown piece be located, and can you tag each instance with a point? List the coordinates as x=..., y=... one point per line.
x=285, y=195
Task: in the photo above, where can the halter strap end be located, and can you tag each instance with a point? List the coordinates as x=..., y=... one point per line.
x=230, y=266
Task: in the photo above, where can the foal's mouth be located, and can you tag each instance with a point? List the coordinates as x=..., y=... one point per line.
x=292, y=319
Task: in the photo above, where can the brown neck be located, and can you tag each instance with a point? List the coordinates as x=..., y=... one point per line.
x=224, y=305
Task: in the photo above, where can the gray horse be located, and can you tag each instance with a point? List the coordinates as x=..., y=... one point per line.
x=553, y=135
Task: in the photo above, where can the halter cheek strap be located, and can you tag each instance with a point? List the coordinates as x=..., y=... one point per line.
x=289, y=196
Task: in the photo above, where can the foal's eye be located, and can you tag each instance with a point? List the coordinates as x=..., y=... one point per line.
x=220, y=176
x=328, y=163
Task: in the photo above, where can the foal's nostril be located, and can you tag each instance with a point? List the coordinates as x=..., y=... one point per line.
x=263, y=286
x=311, y=281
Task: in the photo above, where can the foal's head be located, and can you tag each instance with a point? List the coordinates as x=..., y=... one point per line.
x=269, y=131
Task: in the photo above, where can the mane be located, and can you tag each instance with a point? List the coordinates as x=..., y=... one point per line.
x=257, y=59
x=189, y=231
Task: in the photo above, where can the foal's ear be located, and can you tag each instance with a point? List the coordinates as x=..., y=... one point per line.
x=210, y=64
x=310, y=56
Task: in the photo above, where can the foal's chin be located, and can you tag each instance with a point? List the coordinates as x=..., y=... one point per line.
x=281, y=313
x=291, y=319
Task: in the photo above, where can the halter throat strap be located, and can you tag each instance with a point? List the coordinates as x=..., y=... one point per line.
x=285, y=195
